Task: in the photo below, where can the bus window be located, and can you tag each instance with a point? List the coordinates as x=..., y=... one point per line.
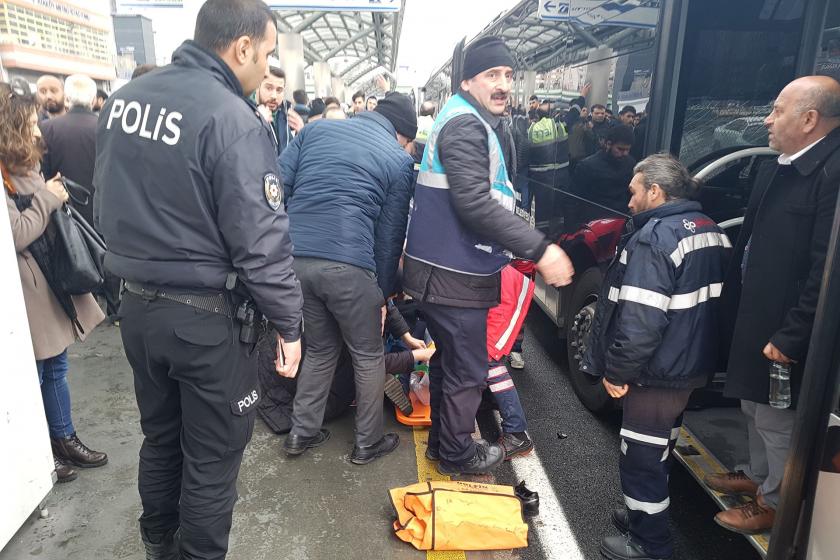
x=828, y=58
x=736, y=60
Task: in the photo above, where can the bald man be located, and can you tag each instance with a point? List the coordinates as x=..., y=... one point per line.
x=774, y=284
x=50, y=94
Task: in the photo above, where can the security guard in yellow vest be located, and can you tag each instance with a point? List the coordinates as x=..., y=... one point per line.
x=548, y=164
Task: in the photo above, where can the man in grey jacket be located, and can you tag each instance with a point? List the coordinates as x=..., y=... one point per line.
x=461, y=235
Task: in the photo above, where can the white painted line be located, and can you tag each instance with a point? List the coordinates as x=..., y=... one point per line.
x=551, y=526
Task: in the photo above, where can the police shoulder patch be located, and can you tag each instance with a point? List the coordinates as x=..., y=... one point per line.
x=273, y=191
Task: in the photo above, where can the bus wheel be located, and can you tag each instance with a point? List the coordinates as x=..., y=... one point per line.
x=588, y=388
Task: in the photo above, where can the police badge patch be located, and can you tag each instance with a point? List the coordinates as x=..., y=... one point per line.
x=273, y=191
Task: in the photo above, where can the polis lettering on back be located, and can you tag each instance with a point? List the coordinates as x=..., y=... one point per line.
x=134, y=118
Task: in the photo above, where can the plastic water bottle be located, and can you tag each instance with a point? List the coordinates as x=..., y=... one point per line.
x=779, y=385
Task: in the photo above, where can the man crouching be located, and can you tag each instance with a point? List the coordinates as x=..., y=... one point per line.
x=654, y=341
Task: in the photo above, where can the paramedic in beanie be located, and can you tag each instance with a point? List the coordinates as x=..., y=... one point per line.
x=462, y=233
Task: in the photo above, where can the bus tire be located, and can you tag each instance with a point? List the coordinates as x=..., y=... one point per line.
x=589, y=389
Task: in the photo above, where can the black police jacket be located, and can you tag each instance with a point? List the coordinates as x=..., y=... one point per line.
x=188, y=188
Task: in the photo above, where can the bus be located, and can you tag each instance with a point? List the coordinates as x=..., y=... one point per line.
x=705, y=73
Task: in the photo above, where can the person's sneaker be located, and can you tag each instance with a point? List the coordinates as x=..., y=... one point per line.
x=487, y=457
x=749, y=519
x=516, y=444
x=517, y=361
x=394, y=391
x=296, y=445
x=732, y=483
x=621, y=519
x=72, y=450
x=63, y=471
x=368, y=453
x=622, y=547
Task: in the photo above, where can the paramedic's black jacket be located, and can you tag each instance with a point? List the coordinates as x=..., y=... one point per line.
x=184, y=179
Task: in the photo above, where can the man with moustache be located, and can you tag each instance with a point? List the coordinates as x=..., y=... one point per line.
x=462, y=233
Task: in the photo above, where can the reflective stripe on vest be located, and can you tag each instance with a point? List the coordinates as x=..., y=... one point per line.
x=436, y=235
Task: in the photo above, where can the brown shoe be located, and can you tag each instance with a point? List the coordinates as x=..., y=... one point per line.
x=73, y=451
x=749, y=519
x=63, y=471
x=733, y=483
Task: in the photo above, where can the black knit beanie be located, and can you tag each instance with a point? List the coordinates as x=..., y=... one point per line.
x=486, y=53
x=399, y=110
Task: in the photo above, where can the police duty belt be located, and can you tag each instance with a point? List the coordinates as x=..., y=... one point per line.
x=215, y=303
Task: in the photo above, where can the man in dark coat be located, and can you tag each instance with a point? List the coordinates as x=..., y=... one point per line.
x=348, y=184
x=71, y=139
x=775, y=274
x=462, y=231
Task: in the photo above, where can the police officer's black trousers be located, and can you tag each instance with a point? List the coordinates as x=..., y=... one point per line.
x=649, y=432
x=457, y=377
x=196, y=388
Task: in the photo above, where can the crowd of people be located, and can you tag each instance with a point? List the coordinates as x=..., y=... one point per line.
x=252, y=209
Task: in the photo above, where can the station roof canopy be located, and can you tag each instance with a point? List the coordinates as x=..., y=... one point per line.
x=354, y=37
x=542, y=45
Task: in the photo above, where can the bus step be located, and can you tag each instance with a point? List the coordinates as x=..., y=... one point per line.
x=700, y=463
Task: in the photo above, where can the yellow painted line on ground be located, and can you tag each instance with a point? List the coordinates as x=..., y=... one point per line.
x=426, y=471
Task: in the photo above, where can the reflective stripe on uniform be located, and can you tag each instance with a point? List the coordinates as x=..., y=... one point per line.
x=644, y=297
x=699, y=241
x=643, y=438
x=695, y=298
x=651, y=508
x=520, y=302
x=623, y=258
x=623, y=447
x=497, y=372
x=502, y=386
x=433, y=180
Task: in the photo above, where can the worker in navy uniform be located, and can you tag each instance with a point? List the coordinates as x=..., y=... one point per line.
x=462, y=232
x=654, y=340
x=189, y=200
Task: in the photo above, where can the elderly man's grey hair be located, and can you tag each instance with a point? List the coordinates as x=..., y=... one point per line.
x=79, y=91
x=672, y=177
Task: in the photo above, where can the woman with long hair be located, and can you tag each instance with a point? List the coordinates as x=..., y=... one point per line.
x=56, y=319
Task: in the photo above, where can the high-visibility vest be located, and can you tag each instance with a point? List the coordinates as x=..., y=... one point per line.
x=436, y=235
x=459, y=515
x=548, y=145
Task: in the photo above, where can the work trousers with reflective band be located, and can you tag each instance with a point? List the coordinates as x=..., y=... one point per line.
x=649, y=432
x=507, y=397
x=196, y=388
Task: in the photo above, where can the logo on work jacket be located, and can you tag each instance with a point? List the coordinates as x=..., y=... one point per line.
x=273, y=191
x=690, y=226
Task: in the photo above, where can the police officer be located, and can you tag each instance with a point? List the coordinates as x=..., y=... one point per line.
x=548, y=162
x=190, y=203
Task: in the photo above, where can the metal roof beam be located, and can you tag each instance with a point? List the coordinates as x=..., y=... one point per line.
x=308, y=22
x=307, y=47
x=353, y=38
x=585, y=35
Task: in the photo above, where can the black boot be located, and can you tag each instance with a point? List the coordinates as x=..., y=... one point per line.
x=161, y=548
x=63, y=471
x=487, y=457
x=296, y=445
x=368, y=453
x=73, y=451
x=623, y=548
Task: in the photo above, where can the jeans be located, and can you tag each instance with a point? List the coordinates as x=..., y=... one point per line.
x=52, y=375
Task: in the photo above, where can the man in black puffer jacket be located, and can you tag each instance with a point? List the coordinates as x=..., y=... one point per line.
x=654, y=340
x=348, y=184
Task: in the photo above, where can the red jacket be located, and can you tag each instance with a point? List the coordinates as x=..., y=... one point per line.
x=505, y=320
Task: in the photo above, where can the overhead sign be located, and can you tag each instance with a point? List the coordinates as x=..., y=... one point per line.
x=337, y=5
x=599, y=12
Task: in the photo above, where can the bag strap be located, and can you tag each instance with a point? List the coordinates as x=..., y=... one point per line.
x=7, y=180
